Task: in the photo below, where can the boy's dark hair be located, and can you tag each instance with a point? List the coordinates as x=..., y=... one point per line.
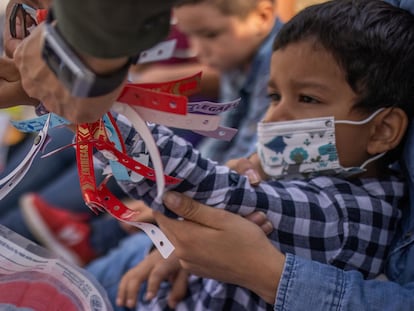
x=373, y=43
x=240, y=8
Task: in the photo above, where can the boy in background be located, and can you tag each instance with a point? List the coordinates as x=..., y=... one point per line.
x=235, y=38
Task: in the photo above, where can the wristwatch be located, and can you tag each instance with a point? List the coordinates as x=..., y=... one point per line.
x=77, y=77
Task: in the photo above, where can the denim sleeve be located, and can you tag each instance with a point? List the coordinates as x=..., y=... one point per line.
x=404, y=4
x=308, y=285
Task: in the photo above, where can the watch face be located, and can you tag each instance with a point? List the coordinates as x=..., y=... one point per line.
x=65, y=64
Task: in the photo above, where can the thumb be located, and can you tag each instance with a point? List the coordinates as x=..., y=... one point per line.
x=192, y=210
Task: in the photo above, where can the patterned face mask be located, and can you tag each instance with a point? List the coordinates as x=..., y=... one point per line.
x=304, y=148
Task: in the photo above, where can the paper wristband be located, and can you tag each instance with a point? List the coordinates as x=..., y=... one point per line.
x=210, y=108
x=15, y=176
x=161, y=51
x=118, y=210
x=186, y=86
x=191, y=121
x=222, y=133
x=98, y=198
x=137, y=96
x=141, y=127
x=38, y=123
x=119, y=171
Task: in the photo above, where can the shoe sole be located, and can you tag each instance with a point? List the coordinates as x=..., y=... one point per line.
x=41, y=232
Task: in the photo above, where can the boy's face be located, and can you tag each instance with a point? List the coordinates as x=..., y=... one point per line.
x=221, y=41
x=307, y=82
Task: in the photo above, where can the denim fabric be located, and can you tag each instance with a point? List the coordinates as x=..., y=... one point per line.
x=308, y=285
x=400, y=264
x=404, y=4
x=109, y=270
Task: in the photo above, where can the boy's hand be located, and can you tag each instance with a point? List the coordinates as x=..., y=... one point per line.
x=249, y=167
x=154, y=270
x=145, y=214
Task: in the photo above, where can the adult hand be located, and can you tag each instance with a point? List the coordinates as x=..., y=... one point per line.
x=11, y=90
x=217, y=244
x=154, y=269
x=41, y=83
x=9, y=42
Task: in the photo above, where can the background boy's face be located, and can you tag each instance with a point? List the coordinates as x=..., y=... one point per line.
x=222, y=42
x=307, y=82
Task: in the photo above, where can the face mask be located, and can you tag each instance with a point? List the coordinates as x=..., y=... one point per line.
x=304, y=148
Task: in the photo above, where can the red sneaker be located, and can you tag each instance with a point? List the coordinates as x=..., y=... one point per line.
x=61, y=231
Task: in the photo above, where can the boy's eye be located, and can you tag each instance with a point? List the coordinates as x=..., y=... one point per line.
x=308, y=99
x=274, y=97
x=210, y=35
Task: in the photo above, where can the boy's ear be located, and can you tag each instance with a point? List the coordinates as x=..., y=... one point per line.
x=266, y=14
x=388, y=130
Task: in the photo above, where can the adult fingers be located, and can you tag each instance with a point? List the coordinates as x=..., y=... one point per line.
x=192, y=210
x=9, y=71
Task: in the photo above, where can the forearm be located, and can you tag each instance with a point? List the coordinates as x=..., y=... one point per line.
x=308, y=285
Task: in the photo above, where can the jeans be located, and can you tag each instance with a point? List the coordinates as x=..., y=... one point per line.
x=108, y=270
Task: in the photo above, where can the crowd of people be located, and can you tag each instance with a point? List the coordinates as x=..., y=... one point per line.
x=320, y=169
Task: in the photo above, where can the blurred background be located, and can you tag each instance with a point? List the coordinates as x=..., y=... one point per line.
x=286, y=9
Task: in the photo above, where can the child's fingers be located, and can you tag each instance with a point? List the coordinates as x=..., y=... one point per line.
x=178, y=289
x=156, y=277
x=129, y=287
x=165, y=270
x=126, y=287
x=260, y=219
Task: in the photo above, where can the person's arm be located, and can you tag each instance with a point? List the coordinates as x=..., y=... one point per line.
x=40, y=82
x=104, y=34
x=309, y=285
x=210, y=242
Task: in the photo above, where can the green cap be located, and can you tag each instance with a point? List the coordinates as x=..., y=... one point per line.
x=109, y=29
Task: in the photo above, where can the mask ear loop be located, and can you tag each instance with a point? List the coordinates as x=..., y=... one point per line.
x=380, y=155
x=365, y=121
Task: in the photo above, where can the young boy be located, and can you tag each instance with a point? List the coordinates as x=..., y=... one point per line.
x=341, y=70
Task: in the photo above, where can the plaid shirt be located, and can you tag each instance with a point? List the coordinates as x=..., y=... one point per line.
x=330, y=220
